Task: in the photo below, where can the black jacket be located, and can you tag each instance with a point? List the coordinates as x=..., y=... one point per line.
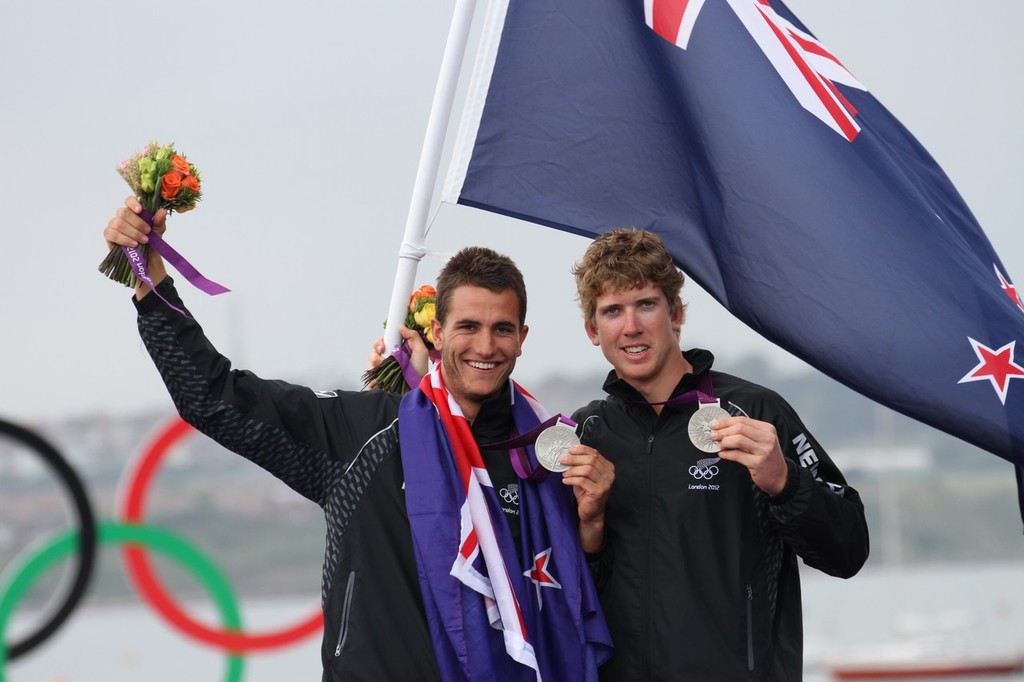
x=339, y=449
x=700, y=578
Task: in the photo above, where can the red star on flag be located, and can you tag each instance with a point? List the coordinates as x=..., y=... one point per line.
x=540, y=575
x=995, y=365
x=1010, y=290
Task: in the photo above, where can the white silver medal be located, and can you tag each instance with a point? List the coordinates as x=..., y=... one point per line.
x=552, y=443
x=699, y=427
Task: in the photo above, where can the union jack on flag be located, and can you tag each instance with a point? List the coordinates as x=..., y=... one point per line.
x=809, y=70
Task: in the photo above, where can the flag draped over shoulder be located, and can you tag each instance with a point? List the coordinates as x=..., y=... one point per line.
x=491, y=615
x=778, y=182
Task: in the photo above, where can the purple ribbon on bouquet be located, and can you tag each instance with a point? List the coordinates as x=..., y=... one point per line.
x=403, y=356
x=138, y=265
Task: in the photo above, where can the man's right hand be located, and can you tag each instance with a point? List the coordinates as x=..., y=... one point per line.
x=127, y=228
x=420, y=359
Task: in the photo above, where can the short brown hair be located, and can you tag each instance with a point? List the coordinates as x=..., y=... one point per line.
x=626, y=258
x=480, y=267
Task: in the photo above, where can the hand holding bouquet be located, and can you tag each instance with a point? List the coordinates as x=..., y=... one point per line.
x=393, y=373
x=160, y=178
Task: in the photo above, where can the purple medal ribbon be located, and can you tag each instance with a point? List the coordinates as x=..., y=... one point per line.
x=517, y=445
x=704, y=393
x=138, y=264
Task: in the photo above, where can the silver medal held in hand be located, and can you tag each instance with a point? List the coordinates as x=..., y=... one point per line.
x=699, y=427
x=552, y=443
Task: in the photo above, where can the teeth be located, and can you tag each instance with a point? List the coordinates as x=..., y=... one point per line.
x=483, y=365
x=635, y=349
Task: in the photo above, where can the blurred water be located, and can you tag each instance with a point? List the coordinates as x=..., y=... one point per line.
x=970, y=609
x=975, y=606
x=130, y=643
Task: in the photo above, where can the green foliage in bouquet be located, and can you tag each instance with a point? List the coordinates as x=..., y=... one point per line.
x=160, y=178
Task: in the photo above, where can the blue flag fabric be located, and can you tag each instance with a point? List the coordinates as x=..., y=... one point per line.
x=778, y=182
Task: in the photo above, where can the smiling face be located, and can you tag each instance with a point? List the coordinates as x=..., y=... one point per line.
x=638, y=332
x=479, y=340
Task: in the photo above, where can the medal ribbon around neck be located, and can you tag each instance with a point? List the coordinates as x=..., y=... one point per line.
x=703, y=394
x=708, y=411
x=517, y=448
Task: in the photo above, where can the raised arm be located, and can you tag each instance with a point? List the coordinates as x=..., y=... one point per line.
x=303, y=437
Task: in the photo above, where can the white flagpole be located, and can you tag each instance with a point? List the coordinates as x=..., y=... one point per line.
x=412, y=249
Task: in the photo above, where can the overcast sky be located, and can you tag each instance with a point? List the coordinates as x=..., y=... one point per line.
x=306, y=120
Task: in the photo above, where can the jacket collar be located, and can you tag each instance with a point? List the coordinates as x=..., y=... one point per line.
x=493, y=421
x=699, y=358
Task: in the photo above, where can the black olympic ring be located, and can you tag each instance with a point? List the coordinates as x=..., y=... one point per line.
x=86, y=534
x=704, y=472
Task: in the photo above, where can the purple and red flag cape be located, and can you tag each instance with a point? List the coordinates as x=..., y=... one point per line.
x=778, y=182
x=495, y=614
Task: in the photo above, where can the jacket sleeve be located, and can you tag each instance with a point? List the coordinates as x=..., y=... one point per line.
x=818, y=514
x=300, y=436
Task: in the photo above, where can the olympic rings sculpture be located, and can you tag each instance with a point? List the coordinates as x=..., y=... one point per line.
x=148, y=584
x=160, y=540
x=131, y=531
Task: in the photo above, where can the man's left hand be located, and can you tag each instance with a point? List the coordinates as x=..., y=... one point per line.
x=755, y=445
x=591, y=477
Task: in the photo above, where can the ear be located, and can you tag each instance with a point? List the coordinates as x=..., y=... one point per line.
x=523, y=331
x=592, y=333
x=678, y=316
x=435, y=331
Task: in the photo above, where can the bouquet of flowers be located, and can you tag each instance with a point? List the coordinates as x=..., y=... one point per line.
x=389, y=374
x=161, y=178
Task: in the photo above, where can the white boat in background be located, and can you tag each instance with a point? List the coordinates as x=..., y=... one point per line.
x=910, y=662
x=927, y=648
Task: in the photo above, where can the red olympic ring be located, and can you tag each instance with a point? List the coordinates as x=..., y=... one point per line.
x=140, y=569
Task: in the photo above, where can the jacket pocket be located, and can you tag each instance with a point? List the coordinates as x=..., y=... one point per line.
x=346, y=609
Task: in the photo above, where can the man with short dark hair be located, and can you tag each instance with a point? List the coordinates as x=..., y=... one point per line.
x=426, y=574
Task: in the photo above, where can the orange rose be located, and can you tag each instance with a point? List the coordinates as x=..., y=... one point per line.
x=171, y=185
x=190, y=182
x=425, y=291
x=179, y=164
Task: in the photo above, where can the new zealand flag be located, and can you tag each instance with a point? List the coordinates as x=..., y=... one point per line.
x=778, y=182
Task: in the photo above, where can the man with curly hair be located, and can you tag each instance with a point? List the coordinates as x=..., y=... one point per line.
x=698, y=573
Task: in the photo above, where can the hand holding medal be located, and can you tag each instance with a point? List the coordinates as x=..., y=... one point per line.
x=699, y=427
x=588, y=472
x=552, y=444
x=749, y=442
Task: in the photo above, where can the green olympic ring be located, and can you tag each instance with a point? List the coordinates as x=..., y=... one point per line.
x=161, y=540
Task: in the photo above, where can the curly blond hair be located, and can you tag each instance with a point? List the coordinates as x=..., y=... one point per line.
x=626, y=258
